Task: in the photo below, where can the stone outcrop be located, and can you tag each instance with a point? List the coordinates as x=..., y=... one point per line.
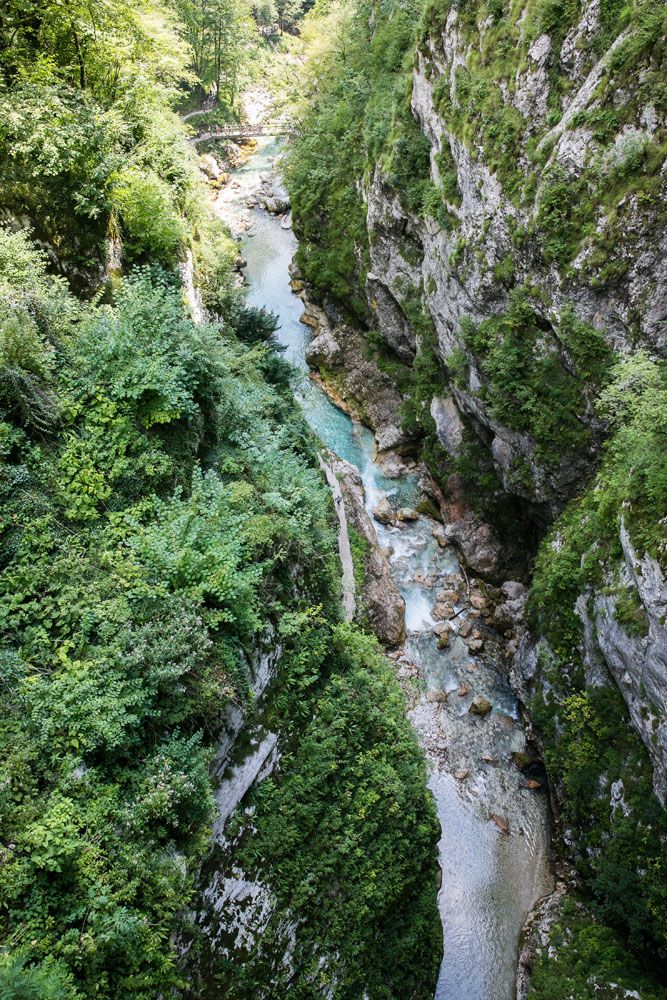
x=565, y=211
x=380, y=602
x=455, y=272
x=637, y=662
x=454, y=269
x=353, y=379
x=536, y=936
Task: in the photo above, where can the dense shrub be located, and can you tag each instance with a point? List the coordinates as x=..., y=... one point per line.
x=157, y=528
x=149, y=221
x=106, y=709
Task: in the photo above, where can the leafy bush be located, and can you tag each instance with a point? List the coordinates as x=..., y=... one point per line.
x=163, y=530
x=537, y=376
x=150, y=222
x=105, y=783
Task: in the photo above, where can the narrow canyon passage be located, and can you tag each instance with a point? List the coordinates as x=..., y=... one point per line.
x=491, y=879
x=333, y=500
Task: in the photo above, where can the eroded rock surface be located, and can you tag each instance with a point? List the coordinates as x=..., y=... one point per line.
x=381, y=605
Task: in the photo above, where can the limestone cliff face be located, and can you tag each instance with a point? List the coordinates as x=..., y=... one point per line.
x=637, y=662
x=515, y=256
x=547, y=153
x=612, y=275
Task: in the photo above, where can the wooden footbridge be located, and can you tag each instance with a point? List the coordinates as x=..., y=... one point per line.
x=280, y=126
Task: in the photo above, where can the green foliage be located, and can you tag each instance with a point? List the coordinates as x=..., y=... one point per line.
x=586, y=961
x=162, y=518
x=345, y=821
x=408, y=164
x=149, y=222
x=448, y=175
x=538, y=375
x=588, y=737
x=589, y=744
x=172, y=517
x=220, y=33
x=328, y=209
x=46, y=981
x=133, y=605
x=359, y=106
x=629, y=612
x=95, y=150
x=565, y=214
x=57, y=155
x=24, y=363
x=629, y=488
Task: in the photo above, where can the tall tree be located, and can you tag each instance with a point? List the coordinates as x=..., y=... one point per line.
x=217, y=31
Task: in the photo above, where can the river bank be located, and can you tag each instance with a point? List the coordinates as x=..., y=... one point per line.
x=494, y=849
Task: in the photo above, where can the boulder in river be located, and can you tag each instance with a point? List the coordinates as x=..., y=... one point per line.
x=475, y=645
x=480, y=706
x=477, y=600
x=449, y=596
x=461, y=775
x=276, y=205
x=383, y=513
x=440, y=536
x=308, y=318
x=510, y=613
x=210, y=166
x=406, y=514
x=465, y=628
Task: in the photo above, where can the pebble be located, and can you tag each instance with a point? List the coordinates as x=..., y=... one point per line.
x=480, y=706
x=501, y=823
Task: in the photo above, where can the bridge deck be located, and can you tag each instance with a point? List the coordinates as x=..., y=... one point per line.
x=246, y=131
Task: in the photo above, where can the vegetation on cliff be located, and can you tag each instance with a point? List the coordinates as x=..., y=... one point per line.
x=358, y=104
x=163, y=517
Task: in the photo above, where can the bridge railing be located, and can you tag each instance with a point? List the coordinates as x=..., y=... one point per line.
x=246, y=131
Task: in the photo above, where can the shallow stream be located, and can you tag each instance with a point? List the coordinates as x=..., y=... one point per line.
x=490, y=879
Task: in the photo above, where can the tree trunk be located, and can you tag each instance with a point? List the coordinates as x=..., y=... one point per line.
x=80, y=59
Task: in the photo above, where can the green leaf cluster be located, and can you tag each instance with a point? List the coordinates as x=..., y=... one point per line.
x=538, y=375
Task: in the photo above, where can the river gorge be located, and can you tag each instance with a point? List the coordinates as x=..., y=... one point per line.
x=495, y=844
x=333, y=500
